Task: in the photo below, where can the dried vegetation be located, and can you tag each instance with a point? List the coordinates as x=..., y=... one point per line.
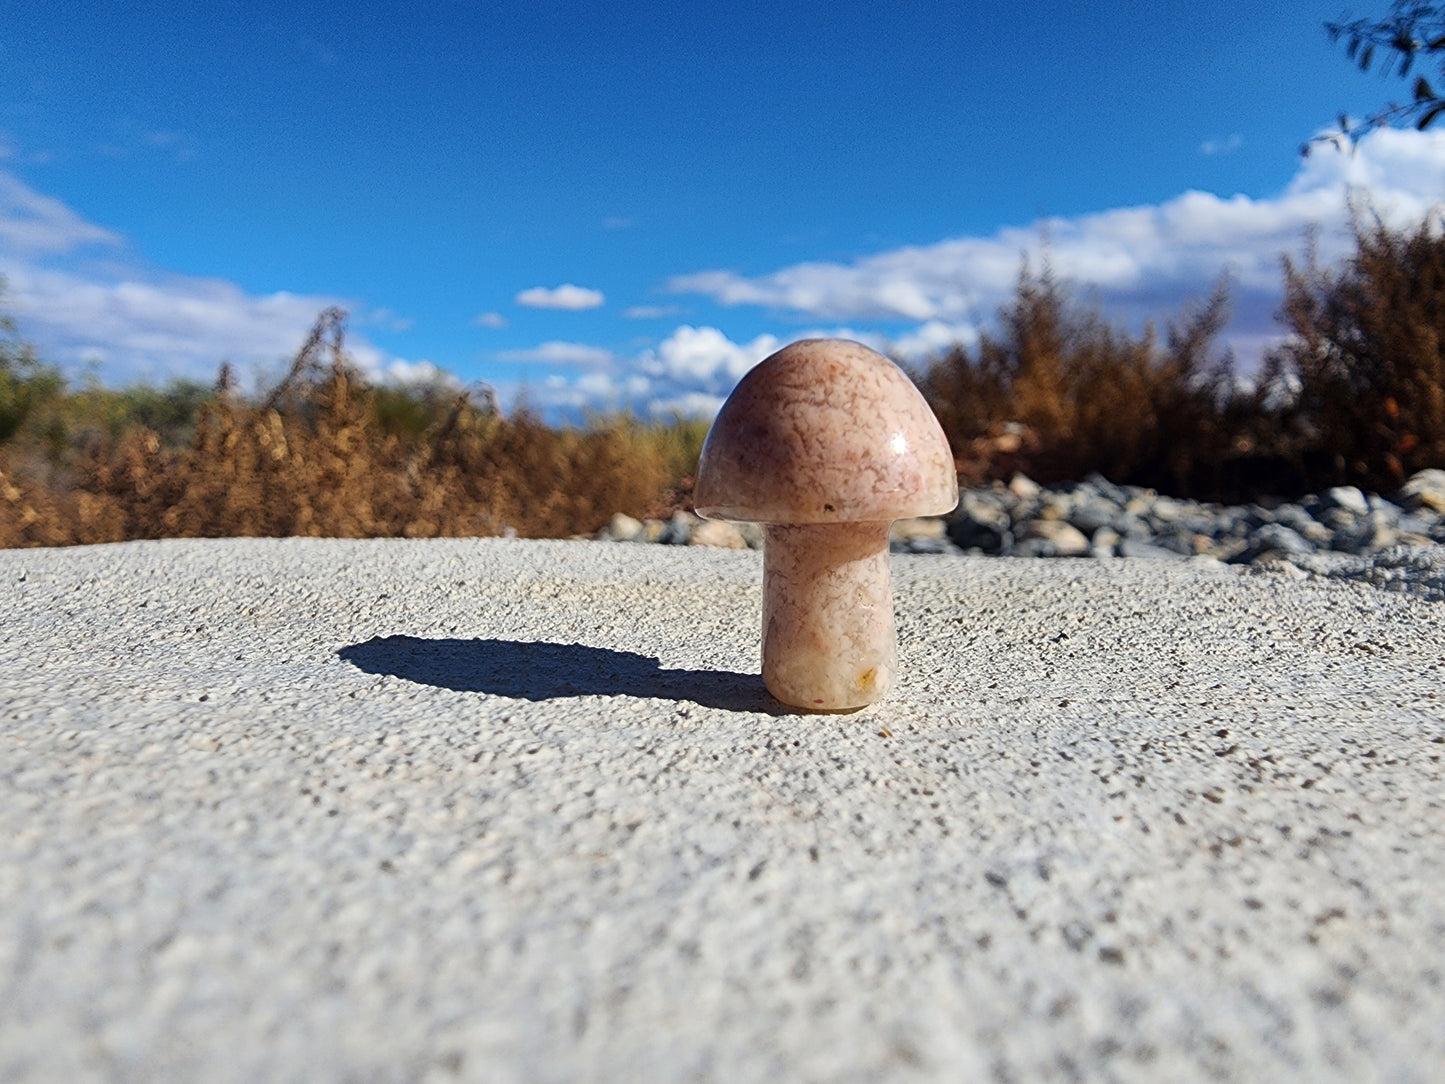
x=1355, y=395
x=326, y=454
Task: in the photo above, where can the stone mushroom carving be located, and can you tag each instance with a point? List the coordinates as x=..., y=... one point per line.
x=826, y=443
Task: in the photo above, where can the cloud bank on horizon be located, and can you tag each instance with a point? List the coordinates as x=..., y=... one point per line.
x=85, y=299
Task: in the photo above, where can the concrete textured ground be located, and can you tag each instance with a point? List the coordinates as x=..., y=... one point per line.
x=493, y=810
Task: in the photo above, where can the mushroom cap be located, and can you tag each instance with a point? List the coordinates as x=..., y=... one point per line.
x=825, y=431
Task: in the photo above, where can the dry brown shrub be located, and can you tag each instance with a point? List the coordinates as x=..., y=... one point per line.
x=31, y=515
x=1058, y=393
x=1355, y=395
x=1366, y=358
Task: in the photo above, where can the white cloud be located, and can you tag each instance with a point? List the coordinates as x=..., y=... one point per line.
x=175, y=326
x=692, y=371
x=387, y=320
x=705, y=355
x=1213, y=147
x=689, y=373
x=181, y=145
x=80, y=307
x=616, y=387
x=931, y=339
x=567, y=296
x=691, y=404
x=559, y=353
x=35, y=224
x=574, y=396
x=1139, y=260
x=490, y=319
x=415, y=373
x=650, y=312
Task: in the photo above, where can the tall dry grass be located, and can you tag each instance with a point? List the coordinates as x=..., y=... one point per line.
x=326, y=454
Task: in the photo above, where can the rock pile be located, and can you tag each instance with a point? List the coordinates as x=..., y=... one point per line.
x=1095, y=518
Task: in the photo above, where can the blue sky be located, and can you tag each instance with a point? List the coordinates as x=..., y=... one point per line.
x=599, y=205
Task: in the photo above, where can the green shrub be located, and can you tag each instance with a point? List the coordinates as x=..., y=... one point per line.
x=27, y=386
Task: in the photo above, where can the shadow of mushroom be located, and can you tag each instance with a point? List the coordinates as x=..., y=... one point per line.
x=541, y=670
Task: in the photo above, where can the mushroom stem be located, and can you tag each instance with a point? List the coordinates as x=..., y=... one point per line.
x=828, y=639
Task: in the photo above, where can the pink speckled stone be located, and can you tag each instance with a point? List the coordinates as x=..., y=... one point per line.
x=828, y=639
x=825, y=431
x=826, y=442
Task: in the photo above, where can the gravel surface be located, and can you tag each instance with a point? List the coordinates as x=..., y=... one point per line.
x=492, y=810
x=1341, y=532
